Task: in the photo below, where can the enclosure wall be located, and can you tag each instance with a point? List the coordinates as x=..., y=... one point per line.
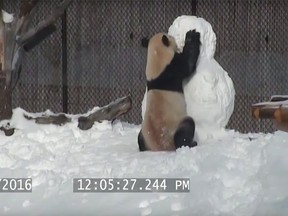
x=105, y=59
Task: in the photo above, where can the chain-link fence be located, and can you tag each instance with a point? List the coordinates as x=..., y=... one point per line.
x=252, y=47
x=105, y=59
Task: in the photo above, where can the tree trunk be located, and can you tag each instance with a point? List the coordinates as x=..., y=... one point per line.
x=16, y=35
x=5, y=98
x=5, y=94
x=109, y=112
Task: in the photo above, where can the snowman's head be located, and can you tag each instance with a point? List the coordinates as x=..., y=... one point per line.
x=183, y=24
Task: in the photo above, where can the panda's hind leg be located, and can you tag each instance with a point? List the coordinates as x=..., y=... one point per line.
x=141, y=142
x=184, y=134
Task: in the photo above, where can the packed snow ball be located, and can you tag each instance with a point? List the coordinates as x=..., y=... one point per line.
x=182, y=24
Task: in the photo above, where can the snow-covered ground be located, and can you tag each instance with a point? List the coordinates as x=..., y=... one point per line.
x=237, y=174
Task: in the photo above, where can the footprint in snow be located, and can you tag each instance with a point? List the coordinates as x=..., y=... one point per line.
x=26, y=204
x=177, y=206
x=145, y=209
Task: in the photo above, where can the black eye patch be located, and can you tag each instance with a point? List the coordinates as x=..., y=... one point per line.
x=165, y=40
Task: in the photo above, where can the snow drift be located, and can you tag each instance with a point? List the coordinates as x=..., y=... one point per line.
x=240, y=174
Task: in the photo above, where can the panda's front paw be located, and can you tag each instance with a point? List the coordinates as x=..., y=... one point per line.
x=192, y=38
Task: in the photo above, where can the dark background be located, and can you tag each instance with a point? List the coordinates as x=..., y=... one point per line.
x=97, y=48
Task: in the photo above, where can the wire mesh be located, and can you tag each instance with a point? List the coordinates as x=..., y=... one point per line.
x=106, y=60
x=251, y=47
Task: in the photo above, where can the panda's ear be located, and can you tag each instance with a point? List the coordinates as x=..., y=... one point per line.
x=165, y=40
x=145, y=42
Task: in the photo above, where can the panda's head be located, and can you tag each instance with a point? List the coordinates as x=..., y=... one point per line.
x=161, y=50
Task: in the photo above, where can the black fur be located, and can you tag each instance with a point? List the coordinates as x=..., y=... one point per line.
x=141, y=142
x=166, y=81
x=165, y=40
x=185, y=133
x=182, y=66
x=191, y=51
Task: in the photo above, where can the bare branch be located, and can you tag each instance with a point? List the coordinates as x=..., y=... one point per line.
x=26, y=14
x=109, y=112
x=26, y=7
x=59, y=119
x=58, y=11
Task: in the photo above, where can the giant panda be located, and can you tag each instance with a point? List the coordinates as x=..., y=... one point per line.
x=166, y=126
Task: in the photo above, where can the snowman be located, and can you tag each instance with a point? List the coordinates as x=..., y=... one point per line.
x=210, y=93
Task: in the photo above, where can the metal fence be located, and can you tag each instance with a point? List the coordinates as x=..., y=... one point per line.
x=105, y=60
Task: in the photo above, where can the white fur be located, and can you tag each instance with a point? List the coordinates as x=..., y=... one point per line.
x=165, y=110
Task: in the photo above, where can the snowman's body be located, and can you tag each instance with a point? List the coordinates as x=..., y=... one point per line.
x=210, y=93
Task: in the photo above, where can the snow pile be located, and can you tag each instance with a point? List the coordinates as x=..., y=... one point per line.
x=7, y=18
x=241, y=174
